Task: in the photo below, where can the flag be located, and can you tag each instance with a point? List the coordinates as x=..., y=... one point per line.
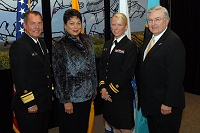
x=141, y=125
x=91, y=119
x=140, y=121
x=15, y=125
x=150, y=4
x=75, y=5
x=123, y=8
x=22, y=7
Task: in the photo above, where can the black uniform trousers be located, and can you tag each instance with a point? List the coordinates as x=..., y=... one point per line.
x=77, y=122
x=165, y=123
x=32, y=122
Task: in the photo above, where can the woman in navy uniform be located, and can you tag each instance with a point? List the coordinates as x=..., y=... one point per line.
x=117, y=67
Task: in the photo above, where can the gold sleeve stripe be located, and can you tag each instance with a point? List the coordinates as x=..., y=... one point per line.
x=113, y=88
x=27, y=97
x=101, y=82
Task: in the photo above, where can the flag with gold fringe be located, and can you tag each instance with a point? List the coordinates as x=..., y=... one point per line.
x=91, y=119
x=15, y=125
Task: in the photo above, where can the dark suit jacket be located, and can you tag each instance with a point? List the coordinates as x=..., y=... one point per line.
x=161, y=74
x=31, y=72
x=117, y=69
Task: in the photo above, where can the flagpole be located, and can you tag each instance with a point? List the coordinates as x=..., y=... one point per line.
x=107, y=19
x=47, y=23
x=29, y=5
x=169, y=5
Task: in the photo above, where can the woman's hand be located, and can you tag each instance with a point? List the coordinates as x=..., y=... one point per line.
x=105, y=95
x=68, y=108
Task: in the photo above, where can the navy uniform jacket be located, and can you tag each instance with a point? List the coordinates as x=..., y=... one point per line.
x=31, y=72
x=117, y=69
x=162, y=74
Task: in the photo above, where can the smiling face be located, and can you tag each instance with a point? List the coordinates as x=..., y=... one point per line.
x=118, y=27
x=73, y=26
x=156, y=22
x=33, y=26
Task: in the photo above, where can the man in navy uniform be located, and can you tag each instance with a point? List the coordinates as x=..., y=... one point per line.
x=31, y=72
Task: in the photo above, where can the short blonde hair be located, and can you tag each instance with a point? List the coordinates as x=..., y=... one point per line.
x=121, y=17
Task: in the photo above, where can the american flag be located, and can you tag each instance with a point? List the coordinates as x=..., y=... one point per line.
x=22, y=7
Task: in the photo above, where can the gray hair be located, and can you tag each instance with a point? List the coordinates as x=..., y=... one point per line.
x=31, y=12
x=162, y=9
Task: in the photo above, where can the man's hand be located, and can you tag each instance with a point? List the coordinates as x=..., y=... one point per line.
x=33, y=109
x=165, y=110
x=68, y=108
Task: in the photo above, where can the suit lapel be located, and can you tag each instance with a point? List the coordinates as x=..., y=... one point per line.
x=144, y=47
x=156, y=46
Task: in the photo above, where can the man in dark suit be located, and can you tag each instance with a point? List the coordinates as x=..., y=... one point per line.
x=161, y=74
x=31, y=72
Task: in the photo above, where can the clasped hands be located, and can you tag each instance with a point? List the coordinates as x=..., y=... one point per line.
x=105, y=95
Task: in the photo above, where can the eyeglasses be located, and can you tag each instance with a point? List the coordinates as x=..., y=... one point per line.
x=156, y=20
x=34, y=24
